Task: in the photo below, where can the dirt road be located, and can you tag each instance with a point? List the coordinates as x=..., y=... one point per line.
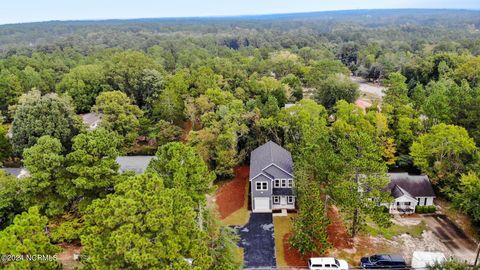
x=366, y=87
x=454, y=238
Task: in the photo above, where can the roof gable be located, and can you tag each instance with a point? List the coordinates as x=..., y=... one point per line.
x=267, y=154
x=261, y=177
x=276, y=172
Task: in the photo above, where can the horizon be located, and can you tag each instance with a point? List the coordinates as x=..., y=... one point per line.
x=30, y=11
x=237, y=15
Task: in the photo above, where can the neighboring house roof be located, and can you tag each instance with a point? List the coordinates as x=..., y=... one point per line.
x=362, y=103
x=412, y=185
x=289, y=105
x=91, y=120
x=267, y=154
x=17, y=172
x=137, y=164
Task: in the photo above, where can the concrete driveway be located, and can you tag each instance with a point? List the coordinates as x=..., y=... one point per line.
x=257, y=239
x=452, y=236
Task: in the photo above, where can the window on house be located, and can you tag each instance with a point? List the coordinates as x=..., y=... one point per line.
x=408, y=203
x=276, y=200
x=284, y=183
x=277, y=183
x=398, y=203
x=418, y=201
x=262, y=186
x=290, y=199
x=290, y=183
x=425, y=201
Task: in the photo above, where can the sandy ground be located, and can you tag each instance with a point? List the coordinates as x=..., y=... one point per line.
x=66, y=257
x=442, y=235
x=367, y=87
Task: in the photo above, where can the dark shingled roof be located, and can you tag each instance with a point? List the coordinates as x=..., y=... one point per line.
x=414, y=185
x=282, y=191
x=267, y=154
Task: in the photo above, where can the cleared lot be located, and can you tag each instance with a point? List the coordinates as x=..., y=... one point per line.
x=454, y=238
x=432, y=232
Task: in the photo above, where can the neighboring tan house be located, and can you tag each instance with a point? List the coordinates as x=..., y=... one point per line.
x=271, y=179
x=409, y=191
x=136, y=164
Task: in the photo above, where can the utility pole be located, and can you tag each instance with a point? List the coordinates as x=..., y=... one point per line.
x=326, y=200
x=478, y=254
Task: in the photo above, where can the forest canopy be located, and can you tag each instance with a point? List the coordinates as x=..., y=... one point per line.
x=198, y=95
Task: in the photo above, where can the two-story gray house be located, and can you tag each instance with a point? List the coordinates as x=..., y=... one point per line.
x=271, y=179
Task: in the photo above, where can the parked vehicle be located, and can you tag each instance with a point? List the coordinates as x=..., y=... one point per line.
x=422, y=259
x=327, y=263
x=383, y=261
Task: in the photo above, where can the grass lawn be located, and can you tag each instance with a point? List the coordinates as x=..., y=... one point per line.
x=283, y=226
x=239, y=254
x=239, y=217
x=394, y=230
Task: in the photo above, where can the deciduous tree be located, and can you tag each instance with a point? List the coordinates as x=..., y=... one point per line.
x=443, y=154
x=335, y=88
x=468, y=196
x=38, y=115
x=119, y=114
x=84, y=83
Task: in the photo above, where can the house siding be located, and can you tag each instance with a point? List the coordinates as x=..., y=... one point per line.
x=428, y=202
x=261, y=193
x=267, y=163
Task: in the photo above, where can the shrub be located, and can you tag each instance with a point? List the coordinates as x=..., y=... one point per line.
x=419, y=209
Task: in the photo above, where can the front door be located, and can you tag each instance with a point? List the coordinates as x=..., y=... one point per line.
x=283, y=200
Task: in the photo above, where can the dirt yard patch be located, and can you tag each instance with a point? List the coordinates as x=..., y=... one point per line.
x=66, y=256
x=367, y=87
x=430, y=232
x=187, y=127
x=232, y=198
x=337, y=232
x=454, y=241
x=462, y=220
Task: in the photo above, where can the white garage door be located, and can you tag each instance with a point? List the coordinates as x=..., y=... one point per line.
x=262, y=205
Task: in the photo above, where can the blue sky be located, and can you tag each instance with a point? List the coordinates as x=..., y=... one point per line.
x=14, y=11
